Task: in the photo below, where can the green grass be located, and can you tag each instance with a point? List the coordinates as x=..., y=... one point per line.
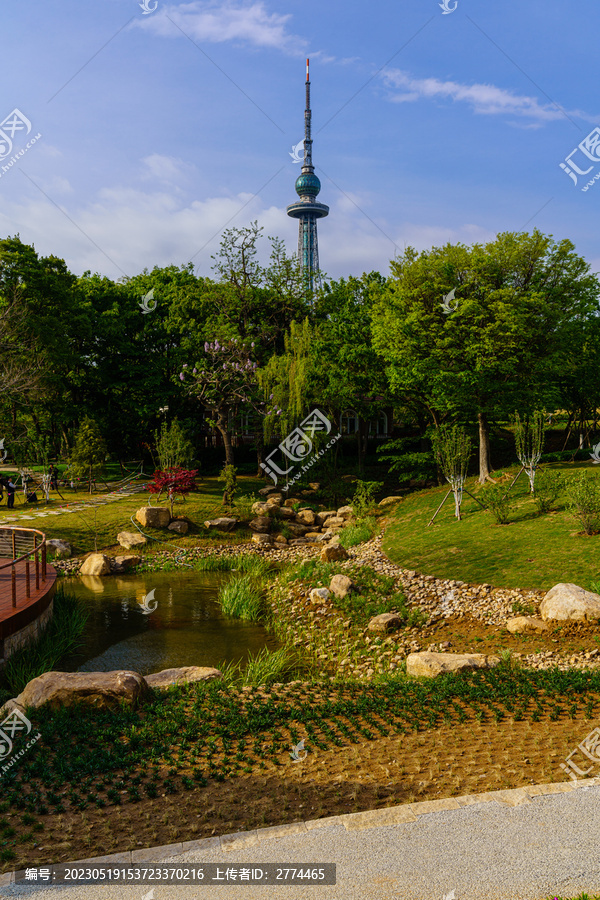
x=243, y=598
x=361, y=531
x=265, y=667
x=533, y=551
x=60, y=637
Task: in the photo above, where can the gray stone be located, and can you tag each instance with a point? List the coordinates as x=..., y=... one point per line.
x=388, y=501
x=95, y=564
x=345, y=512
x=298, y=529
x=60, y=549
x=385, y=622
x=179, y=526
x=427, y=664
x=183, y=675
x=319, y=595
x=567, y=602
x=269, y=489
x=99, y=689
x=262, y=538
x=335, y=522
x=340, y=585
x=305, y=517
x=261, y=524
x=222, y=524
x=129, y=539
x=153, y=516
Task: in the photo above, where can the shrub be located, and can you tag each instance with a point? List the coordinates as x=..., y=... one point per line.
x=243, y=505
x=363, y=500
x=358, y=533
x=498, y=501
x=583, y=498
x=548, y=487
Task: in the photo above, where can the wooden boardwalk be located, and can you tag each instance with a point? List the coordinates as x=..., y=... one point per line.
x=28, y=608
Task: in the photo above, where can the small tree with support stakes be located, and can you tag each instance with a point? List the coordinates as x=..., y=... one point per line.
x=452, y=448
x=529, y=441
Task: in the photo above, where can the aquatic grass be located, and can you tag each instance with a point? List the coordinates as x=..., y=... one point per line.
x=242, y=598
x=61, y=636
x=358, y=533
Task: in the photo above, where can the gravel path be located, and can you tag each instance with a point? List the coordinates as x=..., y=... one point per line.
x=522, y=845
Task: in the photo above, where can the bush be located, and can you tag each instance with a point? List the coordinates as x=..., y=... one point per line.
x=363, y=500
x=583, y=498
x=358, y=533
x=548, y=487
x=243, y=506
x=498, y=501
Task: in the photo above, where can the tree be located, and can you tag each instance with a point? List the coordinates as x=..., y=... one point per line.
x=89, y=451
x=452, y=447
x=500, y=344
x=172, y=446
x=174, y=480
x=529, y=441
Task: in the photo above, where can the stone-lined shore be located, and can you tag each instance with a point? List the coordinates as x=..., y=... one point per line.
x=437, y=598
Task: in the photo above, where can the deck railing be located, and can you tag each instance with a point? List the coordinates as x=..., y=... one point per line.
x=21, y=545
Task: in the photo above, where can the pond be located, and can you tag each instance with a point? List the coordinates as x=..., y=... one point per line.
x=187, y=628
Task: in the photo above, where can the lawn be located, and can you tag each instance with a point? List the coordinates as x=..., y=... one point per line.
x=533, y=551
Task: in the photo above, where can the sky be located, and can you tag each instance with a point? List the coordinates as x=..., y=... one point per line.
x=132, y=137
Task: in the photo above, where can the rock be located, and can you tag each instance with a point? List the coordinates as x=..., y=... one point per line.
x=274, y=500
x=153, y=516
x=261, y=538
x=280, y=539
x=334, y=522
x=305, y=517
x=345, y=512
x=259, y=508
x=340, y=585
x=387, y=501
x=291, y=501
x=570, y=603
x=525, y=625
x=333, y=554
x=285, y=512
x=60, y=549
x=261, y=524
x=385, y=621
x=222, y=524
x=334, y=539
x=119, y=564
x=307, y=493
x=129, y=539
x=322, y=517
x=297, y=529
x=429, y=664
x=269, y=489
x=314, y=486
x=312, y=535
x=99, y=689
x=319, y=595
x=179, y=526
x=184, y=675
x=297, y=541
x=95, y=564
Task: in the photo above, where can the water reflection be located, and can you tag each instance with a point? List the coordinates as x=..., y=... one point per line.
x=187, y=627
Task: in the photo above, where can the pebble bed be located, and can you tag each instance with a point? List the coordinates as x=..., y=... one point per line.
x=437, y=598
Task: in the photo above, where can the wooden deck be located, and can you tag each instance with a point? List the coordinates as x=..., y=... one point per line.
x=28, y=608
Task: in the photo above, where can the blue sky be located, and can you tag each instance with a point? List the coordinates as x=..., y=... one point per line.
x=160, y=130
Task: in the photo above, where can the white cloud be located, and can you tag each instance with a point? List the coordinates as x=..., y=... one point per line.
x=485, y=99
x=165, y=168
x=216, y=23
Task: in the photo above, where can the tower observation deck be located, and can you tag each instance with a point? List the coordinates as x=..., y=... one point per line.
x=307, y=209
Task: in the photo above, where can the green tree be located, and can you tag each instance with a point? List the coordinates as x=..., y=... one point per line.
x=89, y=451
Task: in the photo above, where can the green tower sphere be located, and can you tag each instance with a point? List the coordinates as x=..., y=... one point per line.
x=308, y=184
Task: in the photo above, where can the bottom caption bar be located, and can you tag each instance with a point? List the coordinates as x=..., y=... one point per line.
x=156, y=873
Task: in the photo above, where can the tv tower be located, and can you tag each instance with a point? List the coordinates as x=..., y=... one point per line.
x=307, y=209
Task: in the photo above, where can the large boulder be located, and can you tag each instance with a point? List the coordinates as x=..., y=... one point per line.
x=129, y=539
x=184, y=675
x=60, y=549
x=222, y=524
x=385, y=622
x=305, y=517
x=570, y=603
x=95, y=564
x=153, y=516
x=334, y=554
x=284, y=512
x=265, y=539
x=179, y=526
x=525, y=625
x=322, y=517
x=345, y=512
x=100, y=689
x=260, y=509
x=388, y=501
x=262, y=524
x=428, y=665
x=298, y=529
x=274, y=500
x=340, y=585
x=120, y=564
x=334, y=522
